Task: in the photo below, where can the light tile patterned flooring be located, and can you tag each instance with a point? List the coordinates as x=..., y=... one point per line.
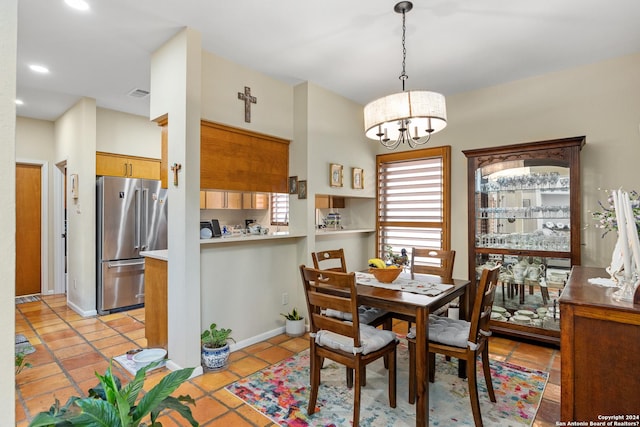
x=70, y=348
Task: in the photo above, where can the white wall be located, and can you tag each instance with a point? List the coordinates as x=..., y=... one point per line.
x=75, y=136
x=35, y=142
x=272, y=114
x=600, y=101
x=8, y=47
x=128, y=134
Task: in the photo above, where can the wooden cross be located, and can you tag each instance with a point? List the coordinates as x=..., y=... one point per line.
x=248, y=100
x=176, y=168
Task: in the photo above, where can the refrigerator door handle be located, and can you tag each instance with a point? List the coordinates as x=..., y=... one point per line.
x=118, y=264
x=144, y=226
x=136, y=228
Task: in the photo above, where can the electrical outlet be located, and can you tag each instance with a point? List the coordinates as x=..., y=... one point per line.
x=285, y=298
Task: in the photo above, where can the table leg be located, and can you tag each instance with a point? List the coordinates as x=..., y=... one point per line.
x=422, y=367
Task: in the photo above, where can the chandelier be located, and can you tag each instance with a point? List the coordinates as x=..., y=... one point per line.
x=407, y=116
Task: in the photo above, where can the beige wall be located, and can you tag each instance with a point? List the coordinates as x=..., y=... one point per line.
x=600, y=101
x=127, y=134
x=75, y=135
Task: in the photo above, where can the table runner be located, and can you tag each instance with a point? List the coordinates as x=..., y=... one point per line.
x=422, y=286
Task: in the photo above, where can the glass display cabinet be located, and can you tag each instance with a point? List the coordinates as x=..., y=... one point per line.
x=524, y=213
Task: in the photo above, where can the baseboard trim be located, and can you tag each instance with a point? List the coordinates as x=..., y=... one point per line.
x=81, y=312
x=256, y=339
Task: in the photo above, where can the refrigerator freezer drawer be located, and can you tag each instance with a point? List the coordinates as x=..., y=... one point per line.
x=121, y=285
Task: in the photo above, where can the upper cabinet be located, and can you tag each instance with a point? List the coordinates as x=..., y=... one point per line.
x=324, y=201
x=109, y=164
x=215, y=199
x=524, y=213
x=236, y=159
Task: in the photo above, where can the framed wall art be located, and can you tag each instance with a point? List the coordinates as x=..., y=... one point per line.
x=357, y=178
x=335, y=175
x=293, y=185
x=302, y=189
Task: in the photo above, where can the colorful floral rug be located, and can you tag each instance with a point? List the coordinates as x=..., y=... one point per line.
x=281, y=393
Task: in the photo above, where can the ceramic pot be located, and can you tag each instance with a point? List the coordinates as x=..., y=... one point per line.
x=215, y=358
x=294, y=328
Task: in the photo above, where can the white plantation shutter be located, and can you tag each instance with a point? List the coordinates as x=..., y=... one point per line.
x=413, y=200
x=279, y=209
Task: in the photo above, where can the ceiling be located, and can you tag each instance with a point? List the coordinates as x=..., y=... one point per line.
x=351, y=47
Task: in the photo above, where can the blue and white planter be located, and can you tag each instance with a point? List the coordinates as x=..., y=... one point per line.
x=215, y=358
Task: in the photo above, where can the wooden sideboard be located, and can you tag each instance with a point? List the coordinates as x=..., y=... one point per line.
x=600, y=352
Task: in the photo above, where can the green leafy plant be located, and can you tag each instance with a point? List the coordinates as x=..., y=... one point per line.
x=606, y=217
x=214, y=337
x=21, y=362
x=110, y=404
x=292, y=315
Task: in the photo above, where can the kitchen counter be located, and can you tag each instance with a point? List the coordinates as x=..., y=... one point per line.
x=162, y=255
x=251, y=238
x=331, y=231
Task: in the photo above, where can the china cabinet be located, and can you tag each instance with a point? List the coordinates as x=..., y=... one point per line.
x=524, y=213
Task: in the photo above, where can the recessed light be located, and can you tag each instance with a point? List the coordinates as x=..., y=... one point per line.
x=19, y=102
x=39, y=68
x=77, y=4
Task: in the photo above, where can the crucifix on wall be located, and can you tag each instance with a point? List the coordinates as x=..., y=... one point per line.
x=248, y=100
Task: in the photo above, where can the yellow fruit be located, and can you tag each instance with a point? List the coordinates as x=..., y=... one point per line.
x=376, y=262
x=392, y=266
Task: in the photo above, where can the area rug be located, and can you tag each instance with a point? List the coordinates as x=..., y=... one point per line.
x=23, y=345
x=281, y=393
x=29, y=298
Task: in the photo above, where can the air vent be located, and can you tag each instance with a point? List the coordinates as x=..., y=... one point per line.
x=139, y=93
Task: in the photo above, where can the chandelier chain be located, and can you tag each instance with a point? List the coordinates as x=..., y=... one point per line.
x=403, y=75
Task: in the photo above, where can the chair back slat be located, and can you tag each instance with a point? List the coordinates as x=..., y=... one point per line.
x=485, y=294
x=331, y=260
x=432, y=261
x=321, y=292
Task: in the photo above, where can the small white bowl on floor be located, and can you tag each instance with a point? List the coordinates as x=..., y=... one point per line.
x=148, y=356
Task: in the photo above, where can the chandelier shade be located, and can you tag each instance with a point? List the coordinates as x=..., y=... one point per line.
x=407, y=116
x=419, y=112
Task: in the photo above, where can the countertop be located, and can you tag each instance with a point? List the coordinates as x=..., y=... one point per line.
x=162, y=255
x=331, y=231
x=251, y=237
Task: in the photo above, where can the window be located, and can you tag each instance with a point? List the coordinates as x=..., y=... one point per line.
x=413, y=200
x=279, y=209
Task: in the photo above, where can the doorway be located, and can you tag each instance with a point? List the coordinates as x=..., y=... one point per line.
x=28, y=229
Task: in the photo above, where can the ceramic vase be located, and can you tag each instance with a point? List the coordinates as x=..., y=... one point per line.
x=294, y=328
x=215, y=358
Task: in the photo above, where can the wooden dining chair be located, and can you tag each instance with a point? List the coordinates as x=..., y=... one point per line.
x=349, y=343
x=462, y=340
x=333, y=260
x=438, y=262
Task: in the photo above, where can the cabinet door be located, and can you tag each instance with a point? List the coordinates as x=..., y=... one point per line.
x=144, y=168
x=261, y=201
x=111, y=165
x=322, y=201
x=337, y=202
x=234, y=200
x=203, y=199
x=215, y=200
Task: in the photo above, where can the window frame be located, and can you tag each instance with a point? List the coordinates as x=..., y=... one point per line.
x=443, y=152
x=274, y=200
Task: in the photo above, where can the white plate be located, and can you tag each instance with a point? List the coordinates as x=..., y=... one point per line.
x=149, y=355
x=527, y=313
x=206, y=233
x=523, y=320
x=498, y=309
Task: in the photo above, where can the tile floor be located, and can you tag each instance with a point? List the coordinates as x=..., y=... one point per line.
x=70, y=348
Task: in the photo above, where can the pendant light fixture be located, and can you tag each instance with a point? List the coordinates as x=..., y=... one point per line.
x=407, y=116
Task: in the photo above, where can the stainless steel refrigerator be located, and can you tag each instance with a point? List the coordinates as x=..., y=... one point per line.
x=131, y=218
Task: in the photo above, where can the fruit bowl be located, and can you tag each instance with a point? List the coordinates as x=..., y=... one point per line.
x=385, y=275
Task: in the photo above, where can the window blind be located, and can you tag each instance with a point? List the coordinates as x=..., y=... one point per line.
x=279, y=209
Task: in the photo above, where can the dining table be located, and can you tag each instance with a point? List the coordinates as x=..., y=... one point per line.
x=416, y=298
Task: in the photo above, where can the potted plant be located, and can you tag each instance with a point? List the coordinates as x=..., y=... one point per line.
x=110, y=404
x=294, y=323
x=215, y=347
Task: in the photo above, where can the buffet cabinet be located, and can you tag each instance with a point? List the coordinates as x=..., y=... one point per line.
x=524, y=214
x=600, y=353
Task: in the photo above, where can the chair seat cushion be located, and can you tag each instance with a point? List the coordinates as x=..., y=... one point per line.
x=366, y=314
x=447, y=331
x=371, y=339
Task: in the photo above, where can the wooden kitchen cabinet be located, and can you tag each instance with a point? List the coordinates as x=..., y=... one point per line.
x=109, y=164
x=600, y=351
x=324, y=201
x=213, y=199
x=255, y=201
x=155, y=302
